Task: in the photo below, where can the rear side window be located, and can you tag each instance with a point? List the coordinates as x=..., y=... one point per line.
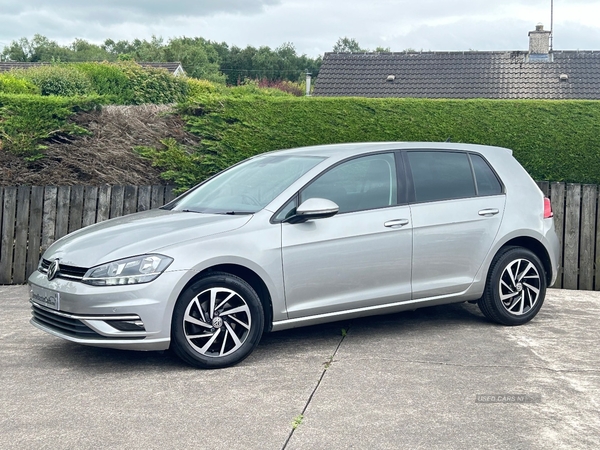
x=487, y=182
x=441, y=175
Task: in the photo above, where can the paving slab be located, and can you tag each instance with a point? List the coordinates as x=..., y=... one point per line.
x=419, y=379
x=56, y=394
x=413, y=380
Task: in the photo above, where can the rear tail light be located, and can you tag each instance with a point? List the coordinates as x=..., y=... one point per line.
x=547, y=208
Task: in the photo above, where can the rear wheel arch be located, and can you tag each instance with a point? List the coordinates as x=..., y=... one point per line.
x=534, y=246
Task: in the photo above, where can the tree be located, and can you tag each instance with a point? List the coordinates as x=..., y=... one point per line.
x=198, y=58
x=82, y=50
x=40, y=48
x=345, y=45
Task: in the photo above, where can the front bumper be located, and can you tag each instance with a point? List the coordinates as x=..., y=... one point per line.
x=132, y=317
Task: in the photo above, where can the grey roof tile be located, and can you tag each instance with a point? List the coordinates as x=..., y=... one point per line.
x=460, y=75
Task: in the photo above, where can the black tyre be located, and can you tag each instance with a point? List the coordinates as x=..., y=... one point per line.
x=515, y=287
x=217, y=322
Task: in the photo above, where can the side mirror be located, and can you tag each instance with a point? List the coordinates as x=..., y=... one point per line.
x=314, y=208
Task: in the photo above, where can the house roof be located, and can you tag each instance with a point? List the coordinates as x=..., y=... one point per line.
x=173, y=67
x=496, y=75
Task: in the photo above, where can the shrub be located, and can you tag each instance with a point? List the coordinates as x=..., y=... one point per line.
x=10, y=84
x=27, y=120
x=202, y=88
x=252, y=88
x=286, y=86
x=108, y=79
x=179, y=165
x=61, y=80
x=149, y=85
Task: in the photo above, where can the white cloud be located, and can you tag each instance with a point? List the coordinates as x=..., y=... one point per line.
x=312, y=25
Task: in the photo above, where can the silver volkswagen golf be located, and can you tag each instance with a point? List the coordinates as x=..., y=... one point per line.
x=304, y=236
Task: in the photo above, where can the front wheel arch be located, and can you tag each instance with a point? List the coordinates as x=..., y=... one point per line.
x=250, y=277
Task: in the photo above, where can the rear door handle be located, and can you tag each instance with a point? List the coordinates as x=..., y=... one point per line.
x=396, y=223
x=489, y=212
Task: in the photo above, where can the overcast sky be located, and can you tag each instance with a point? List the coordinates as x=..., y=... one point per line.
x=313, y=26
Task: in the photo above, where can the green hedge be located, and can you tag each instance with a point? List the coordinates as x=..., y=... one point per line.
x=56, y=79
x=27, y=120
x=11, y=84
x=554, y=140
x=122, y=83
x=146, y=85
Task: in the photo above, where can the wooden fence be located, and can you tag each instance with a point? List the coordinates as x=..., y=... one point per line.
x=33, y=217
x=576, y=219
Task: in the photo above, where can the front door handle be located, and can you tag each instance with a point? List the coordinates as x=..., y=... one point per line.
x=489, y=212
x=396, y=223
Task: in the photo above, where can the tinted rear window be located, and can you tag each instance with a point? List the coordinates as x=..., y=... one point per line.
x=441, y=175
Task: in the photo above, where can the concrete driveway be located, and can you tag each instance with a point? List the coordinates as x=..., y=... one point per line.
x=441, y=377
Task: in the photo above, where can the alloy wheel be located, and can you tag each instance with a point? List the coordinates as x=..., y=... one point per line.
x=217, y=322
x=519, y=287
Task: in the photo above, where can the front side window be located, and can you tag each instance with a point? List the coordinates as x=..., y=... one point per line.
x=368, y=182
x=441, y=175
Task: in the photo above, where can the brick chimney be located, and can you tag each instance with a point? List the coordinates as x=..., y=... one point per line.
x=539, y=41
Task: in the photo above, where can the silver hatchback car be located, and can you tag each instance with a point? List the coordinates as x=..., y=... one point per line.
x=300, y=237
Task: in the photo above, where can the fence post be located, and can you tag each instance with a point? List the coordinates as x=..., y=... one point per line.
x=9, y=209
x=557, y=198
x=571, y=245
x=49, y=216
x=21, y=226
x=588, y=237
x=36, y=209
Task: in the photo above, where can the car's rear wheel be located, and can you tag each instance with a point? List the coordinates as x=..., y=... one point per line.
x=217, y=321
x=515, y=287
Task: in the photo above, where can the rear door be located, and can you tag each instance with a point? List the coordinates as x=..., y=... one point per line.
x=457, y=206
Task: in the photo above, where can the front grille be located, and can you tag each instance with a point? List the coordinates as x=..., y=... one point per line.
x=66, y=272
x=64, y=325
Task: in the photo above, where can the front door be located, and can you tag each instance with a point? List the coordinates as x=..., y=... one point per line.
x=360, y=257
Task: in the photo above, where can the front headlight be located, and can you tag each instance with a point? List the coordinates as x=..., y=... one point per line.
x=135, y=270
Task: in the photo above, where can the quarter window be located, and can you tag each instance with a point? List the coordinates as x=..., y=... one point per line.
x=487, y=182
x=363, y=183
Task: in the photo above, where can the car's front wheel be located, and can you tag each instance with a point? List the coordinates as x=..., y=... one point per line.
x=217, y=321
x=515, y=288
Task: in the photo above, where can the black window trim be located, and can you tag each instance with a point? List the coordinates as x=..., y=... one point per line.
x=401, y=191
x=411, y=194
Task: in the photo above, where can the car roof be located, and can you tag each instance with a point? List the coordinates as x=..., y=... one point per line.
x=357, y=148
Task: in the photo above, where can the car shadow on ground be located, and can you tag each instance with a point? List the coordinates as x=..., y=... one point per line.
x=285, y=344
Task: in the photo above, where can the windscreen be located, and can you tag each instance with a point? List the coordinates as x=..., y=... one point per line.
x=247, y=187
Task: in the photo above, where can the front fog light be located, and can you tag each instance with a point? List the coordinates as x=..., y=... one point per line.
x=135, y=270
